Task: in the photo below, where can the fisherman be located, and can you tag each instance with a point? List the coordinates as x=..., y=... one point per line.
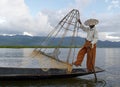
x=90, y=45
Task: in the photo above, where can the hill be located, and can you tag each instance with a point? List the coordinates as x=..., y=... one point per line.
x=22, y=40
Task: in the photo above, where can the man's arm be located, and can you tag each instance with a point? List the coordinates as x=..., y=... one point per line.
x=79, y=21
x=82, y=26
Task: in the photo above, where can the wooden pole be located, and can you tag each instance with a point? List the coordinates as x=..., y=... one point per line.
x=94, y=69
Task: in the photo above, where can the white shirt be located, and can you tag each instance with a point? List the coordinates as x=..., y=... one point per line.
x=92, y=34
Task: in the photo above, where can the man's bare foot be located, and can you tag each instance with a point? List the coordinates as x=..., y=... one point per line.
x=89, y=71
x=76, y=64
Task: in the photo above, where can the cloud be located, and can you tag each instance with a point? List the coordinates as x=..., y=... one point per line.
x=2, y=20
x=13, y=12
x=113, y=38
x=55, y=16
x=110, y=36
x=15, y=18
x=26, y=33
x=109, y=23
x=116, y=34
x=113, y=4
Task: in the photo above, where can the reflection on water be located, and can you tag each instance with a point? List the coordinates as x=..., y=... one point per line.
x=74, y=82
x=112, y=56
x=107, y=58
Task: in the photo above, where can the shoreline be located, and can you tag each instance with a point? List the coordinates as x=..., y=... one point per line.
x=48, y=47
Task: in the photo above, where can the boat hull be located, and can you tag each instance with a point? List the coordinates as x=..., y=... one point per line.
x=7, y=73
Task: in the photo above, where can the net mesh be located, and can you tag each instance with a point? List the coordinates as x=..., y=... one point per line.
x=63, y=35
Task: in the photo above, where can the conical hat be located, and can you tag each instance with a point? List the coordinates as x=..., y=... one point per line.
x=91, y=22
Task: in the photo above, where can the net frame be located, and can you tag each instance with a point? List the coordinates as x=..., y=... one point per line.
x=69, y=23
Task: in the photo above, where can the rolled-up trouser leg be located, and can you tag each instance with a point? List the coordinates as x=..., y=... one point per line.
x=91, y=54
x=80, y=56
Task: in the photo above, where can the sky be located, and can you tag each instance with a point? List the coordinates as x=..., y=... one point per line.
x=38, y=17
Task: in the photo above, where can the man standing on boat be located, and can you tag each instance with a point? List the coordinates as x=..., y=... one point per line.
x=90, y=45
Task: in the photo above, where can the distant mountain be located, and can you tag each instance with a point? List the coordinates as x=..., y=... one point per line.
x=22, y=40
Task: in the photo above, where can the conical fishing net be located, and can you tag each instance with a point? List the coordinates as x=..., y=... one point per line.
x=63, y=35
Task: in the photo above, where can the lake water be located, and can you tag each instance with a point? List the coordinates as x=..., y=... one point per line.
x=107, y=58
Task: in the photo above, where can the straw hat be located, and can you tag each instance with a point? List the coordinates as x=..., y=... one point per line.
x=91, y=22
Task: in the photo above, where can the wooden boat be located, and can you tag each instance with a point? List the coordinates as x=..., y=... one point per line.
x=9, y=73
x=59, y=67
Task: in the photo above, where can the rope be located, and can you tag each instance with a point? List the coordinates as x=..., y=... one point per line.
x=71, y=40
x=75, y=42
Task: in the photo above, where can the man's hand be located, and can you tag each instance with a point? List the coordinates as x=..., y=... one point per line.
x=79, y=21
x=92, y=45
